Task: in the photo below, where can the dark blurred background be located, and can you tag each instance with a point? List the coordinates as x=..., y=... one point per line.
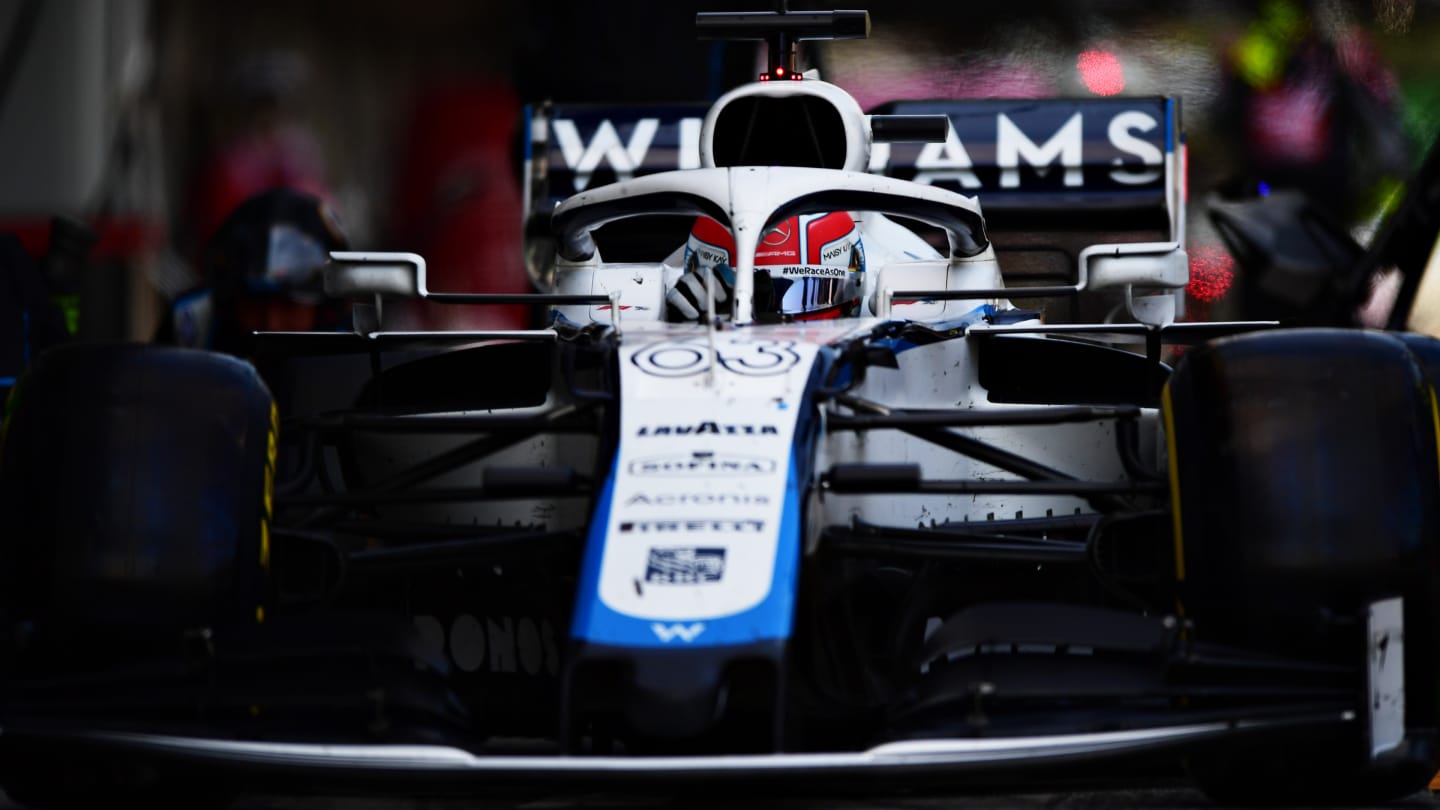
x=147, y=121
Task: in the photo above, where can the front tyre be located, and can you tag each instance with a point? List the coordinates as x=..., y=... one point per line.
x=1306, y=485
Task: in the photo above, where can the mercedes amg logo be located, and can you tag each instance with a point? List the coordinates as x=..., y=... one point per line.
x=778, y=235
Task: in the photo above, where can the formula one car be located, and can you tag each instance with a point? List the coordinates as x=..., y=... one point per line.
x=858, y=516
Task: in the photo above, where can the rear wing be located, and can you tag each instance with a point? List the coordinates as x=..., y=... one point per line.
x=1071, y=161
x=1089, y=164
x=1065, y=184
x=1062, y=182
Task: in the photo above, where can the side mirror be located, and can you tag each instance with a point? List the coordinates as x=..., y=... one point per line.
x=356, y=273
x=1153, y=275
x=1168, y=267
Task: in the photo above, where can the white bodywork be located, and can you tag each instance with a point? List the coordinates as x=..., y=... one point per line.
x=672, y=512
x=940, y=375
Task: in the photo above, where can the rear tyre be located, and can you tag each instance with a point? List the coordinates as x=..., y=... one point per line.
x=1305, y=464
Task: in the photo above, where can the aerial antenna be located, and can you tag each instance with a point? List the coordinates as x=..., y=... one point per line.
x=782, y=29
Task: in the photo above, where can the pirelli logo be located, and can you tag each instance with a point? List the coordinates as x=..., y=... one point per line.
x=693, y=526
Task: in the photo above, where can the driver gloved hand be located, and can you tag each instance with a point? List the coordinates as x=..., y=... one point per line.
x=686, y=300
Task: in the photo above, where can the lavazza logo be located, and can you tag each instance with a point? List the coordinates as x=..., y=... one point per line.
x=709, y=429
x=702, y=463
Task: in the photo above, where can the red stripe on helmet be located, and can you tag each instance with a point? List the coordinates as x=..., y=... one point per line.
x=711, y=232
x=826, y=230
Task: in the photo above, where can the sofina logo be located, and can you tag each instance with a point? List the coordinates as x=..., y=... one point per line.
x=702, y=463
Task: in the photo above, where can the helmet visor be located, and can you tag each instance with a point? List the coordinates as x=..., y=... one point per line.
x=292, y=262
x=799, y=289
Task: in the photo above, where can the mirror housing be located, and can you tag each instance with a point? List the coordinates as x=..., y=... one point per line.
x=1167, y=267
x=1153, y=275
x=361, y=273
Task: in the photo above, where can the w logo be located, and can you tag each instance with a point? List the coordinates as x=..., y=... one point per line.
x=685, y=632
x=585, y=158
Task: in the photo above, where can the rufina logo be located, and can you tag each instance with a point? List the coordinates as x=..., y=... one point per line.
x=699, y=499
x=708, y=429
x=692, y=526
x=687, y=357
x=701, y=464
x=685, y=566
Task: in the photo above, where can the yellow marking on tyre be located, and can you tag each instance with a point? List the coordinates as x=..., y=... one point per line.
x=271, y=451
x=1169, y=411
x=268, y=499
x=1435, y=420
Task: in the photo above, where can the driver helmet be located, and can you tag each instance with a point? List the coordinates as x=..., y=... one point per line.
x=274, y=245
x=263, y=268
x=808, y=267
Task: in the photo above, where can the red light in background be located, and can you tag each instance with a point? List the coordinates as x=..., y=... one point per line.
x=1212, y=271
x=1101, y=72
x=780, y=71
